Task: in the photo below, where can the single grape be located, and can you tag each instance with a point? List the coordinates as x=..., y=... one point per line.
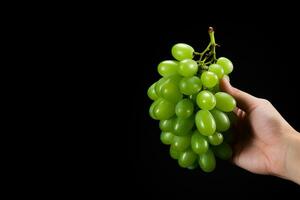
x=226, y=65
x=187, y=67
x=167, y=125
x=225, y=102
x=159, y=84
x=207, y=161
x=206, y=100
x=193, y=166
x=187, y=158
x=217, y=69
x=205, y=122
x=151, y=92
x=181, y=143
x=223, y=151
x=182, y=51
x=215, y=139
x=221, y=119
x=182, y=126
x=170, y=92
x=168, y=67
x=190, y=85
x=164, y=110
x=184, y=108
x=198, y=143
x=209, y=79
x=166, y=137
x=153, y=105
x=174, y=153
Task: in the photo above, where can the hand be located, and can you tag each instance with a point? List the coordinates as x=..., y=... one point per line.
x=266, y=143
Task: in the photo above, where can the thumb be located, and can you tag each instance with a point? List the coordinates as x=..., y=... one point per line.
x=244, y=100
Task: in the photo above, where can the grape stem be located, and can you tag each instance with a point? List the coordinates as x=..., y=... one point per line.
x=208, y=56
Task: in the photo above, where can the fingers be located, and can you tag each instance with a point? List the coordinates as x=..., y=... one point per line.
x=244, y=100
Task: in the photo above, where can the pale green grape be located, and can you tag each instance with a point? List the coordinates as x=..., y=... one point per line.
x=226, y=65
x=153, y=105
x=182, y=126
x=217, y=69
x=167, y=125
x=209, y=79
x=187, y=158
x=225, y=102
x=198, y=143
x=184, y=108
x=206, y=100
x=152, y=93
x=181, y=143
x=166, y=137
x=221, y=119
x=215, y=139
x=168, y=67
x=190, y=85
x=174, y=153
x=188, y=67
x=164, y=110
x=207, y=161
x=205, y=122
x=182, y=51
x=170, y=92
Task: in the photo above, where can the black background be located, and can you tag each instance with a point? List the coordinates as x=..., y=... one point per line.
x=265, y=57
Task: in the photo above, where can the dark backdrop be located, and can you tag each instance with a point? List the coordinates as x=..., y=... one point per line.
x=265, y=58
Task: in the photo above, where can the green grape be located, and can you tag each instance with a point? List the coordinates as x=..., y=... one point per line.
x=182, y=126
x=152, y=93
x=181, y=143
x=153, y=105
x=190, y=85
x=159, y=84
x=209, y=79
x=182, y=51
x=167, y=125
x=166, y=137
x=187, y=67
x=205, y=122
x=207, y=161
x=198, y=143
x=221, y=119
x=225, y=102
x=206, y=100
x=187, y=158
x=170, y=92
x=217, y=69
x=193, y=166
x=232, y=117
x=174, y=153
x=226, y=77
x=164, y=110
x=223, y=151
x=228, y=136
x=193, y=97
x=167, y=68
x=184, y=108
x=226, y=65
x=215, y=139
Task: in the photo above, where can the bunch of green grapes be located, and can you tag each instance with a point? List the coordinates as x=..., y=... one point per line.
x=195, y=116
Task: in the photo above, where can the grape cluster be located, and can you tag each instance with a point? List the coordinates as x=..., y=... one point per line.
x=195, y=116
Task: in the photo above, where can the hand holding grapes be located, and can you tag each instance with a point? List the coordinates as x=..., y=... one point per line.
x=265, y=142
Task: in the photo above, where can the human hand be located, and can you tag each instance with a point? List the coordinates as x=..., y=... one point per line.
x=265, y=142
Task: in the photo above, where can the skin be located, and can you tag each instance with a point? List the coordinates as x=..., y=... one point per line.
x=265, y=142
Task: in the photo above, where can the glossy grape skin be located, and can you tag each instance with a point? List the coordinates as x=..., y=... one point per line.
x=174, y=153
x=182, y=51
x=193, y=166
x=190, y=85
x=217, y=69
x=164, y=109
x=153, y=105
x=167, y=68
x=215, y=139
x=226, y=64
x=225, y=102
x=170, y=92
x=187, y=68
x=187, y=158
x=209, y=79
x=184, y=108
x=205, y=122
x=198, y=143
x=181, y=143
x=206, y=100
x=167, y=125
x=166, y=137
x=159, y=84
x=223, y=151
x=221, y=119
x=152, y=93
x=207, y=161
x=182, y=126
